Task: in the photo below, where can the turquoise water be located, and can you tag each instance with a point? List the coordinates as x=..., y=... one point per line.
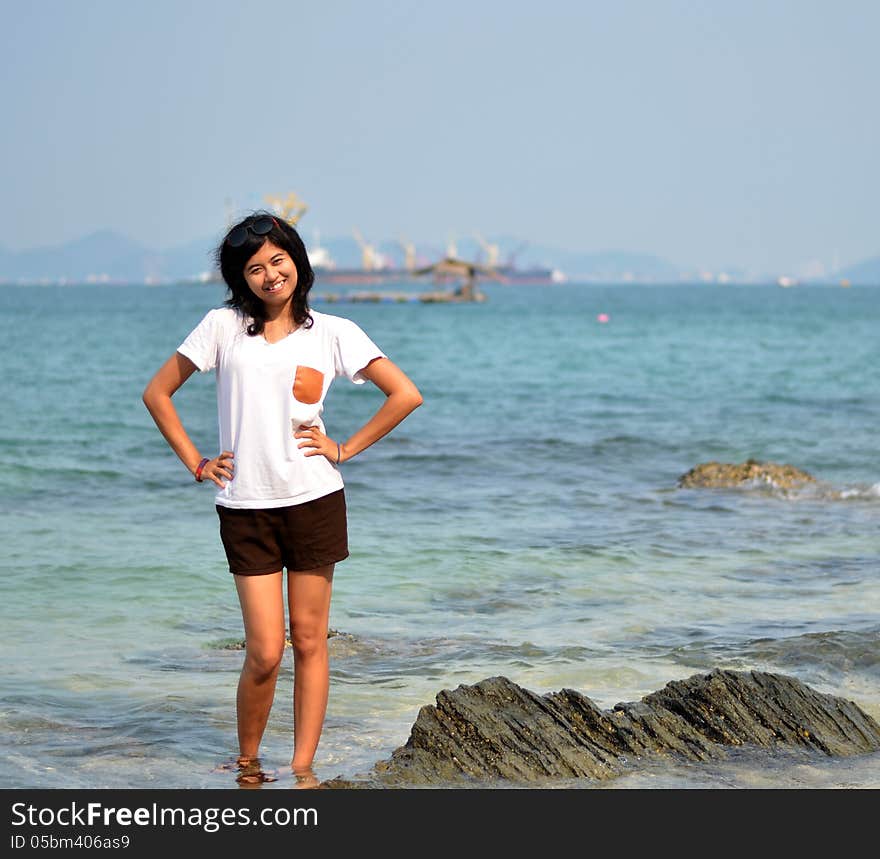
x=525, y=521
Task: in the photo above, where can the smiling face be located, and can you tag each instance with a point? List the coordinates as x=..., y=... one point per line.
x=271, y=275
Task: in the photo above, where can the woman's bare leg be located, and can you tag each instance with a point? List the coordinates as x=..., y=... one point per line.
x=262, y=610
x=308, y=595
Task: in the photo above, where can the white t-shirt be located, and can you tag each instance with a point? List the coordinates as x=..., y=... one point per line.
x=266, y=391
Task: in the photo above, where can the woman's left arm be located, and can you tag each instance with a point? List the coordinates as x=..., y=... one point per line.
x=401, y=398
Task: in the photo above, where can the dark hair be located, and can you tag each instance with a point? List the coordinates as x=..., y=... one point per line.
x=232, y=261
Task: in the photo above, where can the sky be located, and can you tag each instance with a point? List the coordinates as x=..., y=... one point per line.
x=721, y=135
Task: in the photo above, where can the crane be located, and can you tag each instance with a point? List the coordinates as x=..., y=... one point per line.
x=290, y=208
x=491, y=250
x=409, y=254
x=371, y=259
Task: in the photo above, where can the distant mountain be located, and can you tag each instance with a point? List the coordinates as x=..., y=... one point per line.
x=865, y=273
x=105, y=256
x=109, y=256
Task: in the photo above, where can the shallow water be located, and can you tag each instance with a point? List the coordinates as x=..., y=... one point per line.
x=525, y=521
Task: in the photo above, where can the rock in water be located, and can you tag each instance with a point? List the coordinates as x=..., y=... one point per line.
x=727, y=475
x=496, y=730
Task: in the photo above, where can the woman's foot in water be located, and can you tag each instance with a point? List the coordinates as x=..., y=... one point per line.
x=250, y=772
x=305, y=778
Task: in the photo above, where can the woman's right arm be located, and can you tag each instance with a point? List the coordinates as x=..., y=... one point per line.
x=157, y=398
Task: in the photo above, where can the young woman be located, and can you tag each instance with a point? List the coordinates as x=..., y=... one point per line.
x=280, y=496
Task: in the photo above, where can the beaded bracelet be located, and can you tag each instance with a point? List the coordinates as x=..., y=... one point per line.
x=200, y=468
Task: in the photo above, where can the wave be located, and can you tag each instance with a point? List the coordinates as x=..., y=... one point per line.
x=827, y=492
x=818, y=491
x=817, y=403
x=870, y=493
x=388, y=658
x=814, y=656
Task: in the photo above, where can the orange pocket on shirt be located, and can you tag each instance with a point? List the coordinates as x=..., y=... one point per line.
x=308, y=384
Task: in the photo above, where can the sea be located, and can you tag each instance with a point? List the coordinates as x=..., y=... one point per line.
x=525, y=522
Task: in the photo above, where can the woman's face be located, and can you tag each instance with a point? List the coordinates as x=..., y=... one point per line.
x=271, y=275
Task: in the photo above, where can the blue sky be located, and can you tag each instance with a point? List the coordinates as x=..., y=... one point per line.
x=715, y=134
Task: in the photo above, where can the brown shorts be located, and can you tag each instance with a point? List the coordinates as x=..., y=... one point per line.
x=299, y=537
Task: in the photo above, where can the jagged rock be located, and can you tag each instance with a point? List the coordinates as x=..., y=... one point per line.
x=727, y=475
x=496, y=730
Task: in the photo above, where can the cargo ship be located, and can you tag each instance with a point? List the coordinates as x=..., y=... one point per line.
x=375, y=267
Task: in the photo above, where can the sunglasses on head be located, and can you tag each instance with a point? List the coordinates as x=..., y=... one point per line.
x=262, y=226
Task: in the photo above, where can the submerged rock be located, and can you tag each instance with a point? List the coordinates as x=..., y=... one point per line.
x=496, y=730
x=239, y=644
x=727, y=475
